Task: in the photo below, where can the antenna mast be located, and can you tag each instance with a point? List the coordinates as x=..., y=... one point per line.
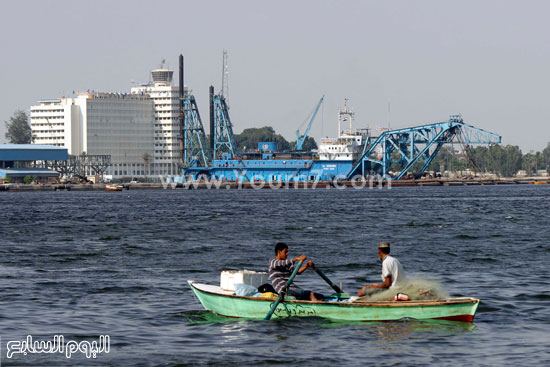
x=389, y=115
x=225, y=75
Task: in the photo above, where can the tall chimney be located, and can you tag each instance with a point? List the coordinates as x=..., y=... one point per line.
x=181, y=114
x=212, y=127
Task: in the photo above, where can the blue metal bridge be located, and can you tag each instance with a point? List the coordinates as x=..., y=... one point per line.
x=416, y=144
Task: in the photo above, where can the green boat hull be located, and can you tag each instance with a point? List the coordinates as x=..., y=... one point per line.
x=226, y=304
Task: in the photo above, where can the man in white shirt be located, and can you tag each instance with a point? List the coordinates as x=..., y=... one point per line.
x=392, y=272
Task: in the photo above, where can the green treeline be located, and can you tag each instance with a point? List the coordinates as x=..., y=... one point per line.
x=505, y=161
x=249, y=139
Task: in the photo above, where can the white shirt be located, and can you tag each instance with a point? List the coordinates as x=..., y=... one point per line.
x=392, y=266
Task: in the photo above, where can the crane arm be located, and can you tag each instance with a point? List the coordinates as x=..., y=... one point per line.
x=300, y=139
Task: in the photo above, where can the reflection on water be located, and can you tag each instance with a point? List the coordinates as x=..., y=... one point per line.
x=207, y=317
x=383, y=330
x=404, y=329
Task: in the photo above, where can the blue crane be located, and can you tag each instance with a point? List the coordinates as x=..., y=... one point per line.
x=195, y=148
x=224, y=139
x=414, y=144
x=300, y=139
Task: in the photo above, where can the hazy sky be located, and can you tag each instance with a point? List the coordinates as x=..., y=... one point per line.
x=488, y=60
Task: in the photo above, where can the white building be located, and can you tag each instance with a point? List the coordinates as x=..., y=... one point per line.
x=166, y=156
x=119, y=125
x=56, y=122
x=125, y=126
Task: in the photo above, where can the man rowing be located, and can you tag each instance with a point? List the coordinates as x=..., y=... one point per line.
x=280, y=269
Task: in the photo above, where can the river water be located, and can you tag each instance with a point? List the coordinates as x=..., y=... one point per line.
x=86, y=264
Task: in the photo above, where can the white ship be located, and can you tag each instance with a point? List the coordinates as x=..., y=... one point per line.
x=348, y=145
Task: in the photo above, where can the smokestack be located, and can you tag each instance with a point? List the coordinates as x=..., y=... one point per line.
x=212, y=127
x=181, y=114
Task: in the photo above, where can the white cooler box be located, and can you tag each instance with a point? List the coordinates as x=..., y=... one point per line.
x=229, y=278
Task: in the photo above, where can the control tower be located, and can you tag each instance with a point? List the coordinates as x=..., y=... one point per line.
x=167, y=105
x=162, y=77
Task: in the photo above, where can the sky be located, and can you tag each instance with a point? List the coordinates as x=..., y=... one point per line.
x=399, y=63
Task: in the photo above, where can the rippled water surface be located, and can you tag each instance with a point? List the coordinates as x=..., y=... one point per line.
x=84, y=264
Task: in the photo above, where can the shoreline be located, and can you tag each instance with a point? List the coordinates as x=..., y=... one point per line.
x=231, y=185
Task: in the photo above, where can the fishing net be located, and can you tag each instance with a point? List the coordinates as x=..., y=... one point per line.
x=418, y=289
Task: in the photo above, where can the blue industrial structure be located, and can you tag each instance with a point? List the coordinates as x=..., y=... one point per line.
x=404, y=146
x=224, y=139
x=267, y=146
x=419, y=143
x=301, y=138
x=256, y=170
x=31, y=152
x=269, y=165
x=220, y=160
x=195, y=150
x=21, y=160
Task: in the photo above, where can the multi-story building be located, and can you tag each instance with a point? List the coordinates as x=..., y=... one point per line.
x=119, y=125
x=55, y=122
x=140, y=130
x=115, y=124
x=166, y=140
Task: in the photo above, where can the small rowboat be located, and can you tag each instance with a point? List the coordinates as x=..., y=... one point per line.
x=114, y=187
x=226, y=303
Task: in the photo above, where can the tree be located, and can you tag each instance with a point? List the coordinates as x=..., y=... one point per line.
x=478, y=158
x=512, y=160
x=539, y=161
x=546, y=156
x=18, y=129
x=505, y=161
x=146, y=160
x=529, y=163
x=446, y=160
x=250, y=138
x=308, y=145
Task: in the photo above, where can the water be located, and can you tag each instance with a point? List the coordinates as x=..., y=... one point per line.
x=85, y=264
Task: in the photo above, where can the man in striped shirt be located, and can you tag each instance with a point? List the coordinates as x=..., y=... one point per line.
x=280, y=269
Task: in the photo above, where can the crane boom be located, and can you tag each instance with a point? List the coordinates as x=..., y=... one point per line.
x=300, y=139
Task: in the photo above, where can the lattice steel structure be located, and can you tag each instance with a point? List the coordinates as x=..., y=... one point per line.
x=82, y=165
x=224, y=139
x=419, y=143
x=195, y=148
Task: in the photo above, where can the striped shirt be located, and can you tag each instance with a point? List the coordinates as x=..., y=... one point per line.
x=279, y=273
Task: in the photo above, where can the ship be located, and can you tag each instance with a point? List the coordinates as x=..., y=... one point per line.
x=349, y=143
x=353, y=155
x=333, y=160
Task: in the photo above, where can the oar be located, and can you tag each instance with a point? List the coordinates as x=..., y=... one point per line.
x=326, y=279
x=282, y=294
